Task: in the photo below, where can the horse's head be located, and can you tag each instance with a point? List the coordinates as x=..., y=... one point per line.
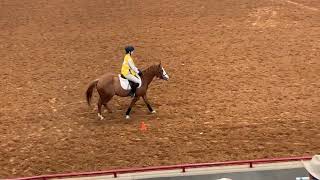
x=161, y=73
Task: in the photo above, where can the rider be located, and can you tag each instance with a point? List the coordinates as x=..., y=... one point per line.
x=130, y=71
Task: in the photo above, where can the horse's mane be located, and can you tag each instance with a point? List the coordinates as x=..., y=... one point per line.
x=151, y=68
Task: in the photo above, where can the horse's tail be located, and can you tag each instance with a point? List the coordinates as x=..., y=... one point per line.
x=89, y=91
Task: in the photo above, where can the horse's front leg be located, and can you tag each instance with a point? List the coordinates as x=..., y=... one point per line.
x=134, y=100
x=145, y=99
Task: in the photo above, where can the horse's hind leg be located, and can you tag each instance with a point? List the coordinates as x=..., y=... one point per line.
x=105, y=103
x=99, y=109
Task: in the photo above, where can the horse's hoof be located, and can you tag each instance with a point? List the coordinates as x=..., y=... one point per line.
x=127, y=117
x=153, y=112
x=100, y=116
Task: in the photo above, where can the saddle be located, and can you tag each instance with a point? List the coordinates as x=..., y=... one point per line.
x=125, y=83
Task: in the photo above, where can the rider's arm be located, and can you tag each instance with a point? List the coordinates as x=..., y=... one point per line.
x=132, y=66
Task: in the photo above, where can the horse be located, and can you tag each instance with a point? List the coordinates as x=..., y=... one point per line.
x=109, y=85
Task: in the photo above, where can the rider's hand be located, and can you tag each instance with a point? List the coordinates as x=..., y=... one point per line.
x=140, y=73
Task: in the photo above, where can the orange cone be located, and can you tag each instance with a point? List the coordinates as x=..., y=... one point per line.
x=143, y=126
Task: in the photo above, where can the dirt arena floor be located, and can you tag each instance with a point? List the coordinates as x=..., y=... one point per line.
x=245, y=82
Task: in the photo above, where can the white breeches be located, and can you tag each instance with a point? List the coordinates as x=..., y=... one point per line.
x=135, y=79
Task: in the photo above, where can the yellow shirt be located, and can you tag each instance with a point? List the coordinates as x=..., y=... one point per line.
x=125, y=69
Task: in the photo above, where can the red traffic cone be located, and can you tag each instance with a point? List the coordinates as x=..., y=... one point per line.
x=143, y=126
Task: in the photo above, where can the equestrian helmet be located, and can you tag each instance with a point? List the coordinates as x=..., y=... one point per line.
x=129, y=49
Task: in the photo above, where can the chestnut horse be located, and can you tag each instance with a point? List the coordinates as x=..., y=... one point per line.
x=109, y=85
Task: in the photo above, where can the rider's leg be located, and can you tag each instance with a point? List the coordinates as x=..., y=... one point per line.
x=133, y=89
x=136, y=80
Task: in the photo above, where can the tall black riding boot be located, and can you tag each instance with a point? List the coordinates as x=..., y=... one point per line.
x=133, y=89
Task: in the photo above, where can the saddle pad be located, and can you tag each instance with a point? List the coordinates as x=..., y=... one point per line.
x=124, y=83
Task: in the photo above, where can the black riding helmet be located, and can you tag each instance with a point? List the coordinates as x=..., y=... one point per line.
x=129, y=49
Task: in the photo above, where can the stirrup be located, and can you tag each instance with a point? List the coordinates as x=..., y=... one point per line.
x=132, y=94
